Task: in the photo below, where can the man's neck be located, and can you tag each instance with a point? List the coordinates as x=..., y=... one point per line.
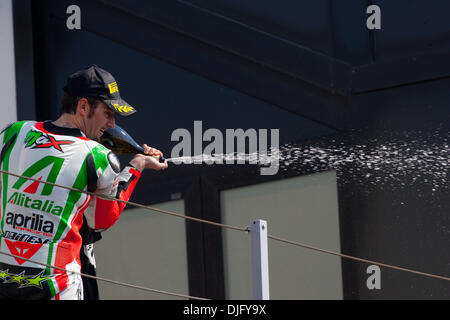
x=66, y=121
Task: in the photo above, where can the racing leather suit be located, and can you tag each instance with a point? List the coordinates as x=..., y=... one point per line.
x=49, y=224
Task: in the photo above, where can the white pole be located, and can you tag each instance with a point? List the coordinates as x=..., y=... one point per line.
x=260, y=260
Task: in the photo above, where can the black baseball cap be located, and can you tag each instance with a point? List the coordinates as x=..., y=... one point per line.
x=98, y=83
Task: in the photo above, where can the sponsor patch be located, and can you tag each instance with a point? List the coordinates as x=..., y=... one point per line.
x=39, y=140
x=123, y=109
x=113, y=87
x=22, y=249
x=23, y=280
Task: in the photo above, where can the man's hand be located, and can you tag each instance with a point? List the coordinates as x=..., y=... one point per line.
x=149, y=160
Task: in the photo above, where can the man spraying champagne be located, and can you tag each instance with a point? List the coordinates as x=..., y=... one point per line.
x=64, y=152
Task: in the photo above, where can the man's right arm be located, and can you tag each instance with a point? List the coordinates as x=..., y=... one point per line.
x=148, y=160
x=117, y=186
x=103, y=213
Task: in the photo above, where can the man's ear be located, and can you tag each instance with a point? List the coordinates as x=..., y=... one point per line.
x=83, y=107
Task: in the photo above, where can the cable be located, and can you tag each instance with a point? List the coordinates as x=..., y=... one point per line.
x=237, y=228
x=126, y=202
x=246, y=229
x=107, y=280
x=358, y=259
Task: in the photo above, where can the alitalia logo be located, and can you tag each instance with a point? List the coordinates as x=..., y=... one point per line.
x=22, y=200
x=26, y=199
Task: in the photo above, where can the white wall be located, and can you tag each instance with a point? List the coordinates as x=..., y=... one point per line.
x=8, y=105
x=303, y=209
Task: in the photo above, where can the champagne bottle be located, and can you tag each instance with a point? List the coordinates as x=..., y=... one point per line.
x=120, y=142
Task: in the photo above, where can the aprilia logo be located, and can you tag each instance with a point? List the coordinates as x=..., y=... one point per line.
x=35, y=224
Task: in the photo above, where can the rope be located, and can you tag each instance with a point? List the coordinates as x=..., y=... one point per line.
x=107, y=280
x=246, y=229
x=358, y=259
x=130, y=203
x=105, y=197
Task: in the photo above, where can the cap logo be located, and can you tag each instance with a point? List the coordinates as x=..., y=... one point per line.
x=123, y=109
x=113, y=87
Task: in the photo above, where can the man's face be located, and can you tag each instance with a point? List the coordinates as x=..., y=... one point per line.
x=99, y=121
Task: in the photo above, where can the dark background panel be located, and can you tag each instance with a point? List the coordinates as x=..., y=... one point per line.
x=399, y=213
x=303, y=22
x=352, y=41
x=421, y=106
x=411, y=27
